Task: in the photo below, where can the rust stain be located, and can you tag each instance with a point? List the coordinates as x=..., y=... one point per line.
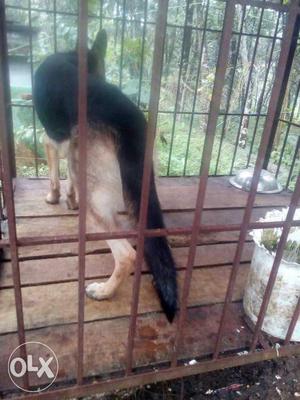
x=161, y=323
x=147, y=332
x=150, y=350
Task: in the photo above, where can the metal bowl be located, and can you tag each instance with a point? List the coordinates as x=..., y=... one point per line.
x=267, y=181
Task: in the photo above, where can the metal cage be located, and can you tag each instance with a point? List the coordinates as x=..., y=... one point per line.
x=175, y=367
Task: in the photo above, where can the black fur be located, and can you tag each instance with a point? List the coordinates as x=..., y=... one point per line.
x=55, y=98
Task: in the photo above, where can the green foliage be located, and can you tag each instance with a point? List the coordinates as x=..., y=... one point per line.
x=25, y=135
x=133, y=53
x=179, y=147
x=269, y=239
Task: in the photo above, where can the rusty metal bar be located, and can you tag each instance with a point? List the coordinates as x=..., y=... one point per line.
x=159, y=41
x=264, y=4
x=231, y=90
x=139, y=21
x=237, y=114
x=34, y=240
x=294, y=9
x=116, y=25
x=193, y=113
x=9, y=199
x=260, y=103
x=284, y=60
x=1, y=197
x=101, y=14
x=122, y=44
x=6, y=88
x=296, y=153
x=276, y=264
x=289, y=125
x=142, y=51
x=204, y=170
x=174, y=113
x=255, y=3
x=164, y=374
x=55, y=25
x=141, y=233
x=82, y=128
x=293, y=323
x=31, y=78
x=245, y=100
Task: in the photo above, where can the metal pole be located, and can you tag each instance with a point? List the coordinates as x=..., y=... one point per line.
x=82, y=127
x=160, y=31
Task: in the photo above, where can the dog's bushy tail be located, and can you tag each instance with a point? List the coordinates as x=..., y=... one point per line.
x=160, y=259
x=157, y=252
x=129, y=123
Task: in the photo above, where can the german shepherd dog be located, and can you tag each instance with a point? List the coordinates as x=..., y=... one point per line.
x=116, y=141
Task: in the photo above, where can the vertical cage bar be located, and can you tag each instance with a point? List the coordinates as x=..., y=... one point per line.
x=116, y=20
x=292, y=50
x=9, y=198
x=143, y=51
x=1, y=194
x=101, y=13
x=6, y=88
x=297, y=149
x=293, y=323
x=178, y=86
x=247, y=90
x=196, y=88
x=122, y=44
x=207, y=152
x=230, y=89
x=159, y=41
x=276, y=94
x=288, y=129
x=31, y=77
x=55, y=25
x=276, y=264
x=261, y=98
x=82, y=128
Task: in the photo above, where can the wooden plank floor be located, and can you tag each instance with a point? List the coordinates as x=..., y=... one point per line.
x=49, y=282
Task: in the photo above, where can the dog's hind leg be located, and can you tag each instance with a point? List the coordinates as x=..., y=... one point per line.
x=72, y=203
x=124, y=257
x=123, y=268
x=102, y=216
x=104, y=200
x=53, y=164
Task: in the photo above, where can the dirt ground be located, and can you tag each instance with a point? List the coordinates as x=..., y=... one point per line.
x=270, y=380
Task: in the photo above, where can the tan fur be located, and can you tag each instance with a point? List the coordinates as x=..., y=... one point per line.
x=104, y=199
x=54, y=152
x=53, y=164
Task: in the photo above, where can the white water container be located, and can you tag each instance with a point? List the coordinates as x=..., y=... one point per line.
x=284, y=296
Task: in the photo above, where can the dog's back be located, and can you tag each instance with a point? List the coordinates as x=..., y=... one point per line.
x=108, y=109
x=54, y=95
x=56, y=102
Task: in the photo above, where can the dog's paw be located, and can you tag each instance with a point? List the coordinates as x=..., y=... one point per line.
x=53, y=197
x=98, y=291
x=72, y=203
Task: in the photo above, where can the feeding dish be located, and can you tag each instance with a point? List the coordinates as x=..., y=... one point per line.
x=267, y=181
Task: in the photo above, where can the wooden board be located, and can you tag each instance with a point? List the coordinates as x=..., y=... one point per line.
x=50, y=289
x=64, y=269
x=60, y=225
x=105, y=341
x=224, y=205
x=174, y=193
x=42, y=304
